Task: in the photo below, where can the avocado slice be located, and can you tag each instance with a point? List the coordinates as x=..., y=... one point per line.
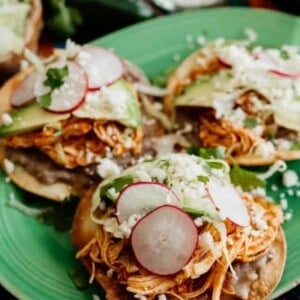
x=117, y=102
x=28, y=118
x=199, y=93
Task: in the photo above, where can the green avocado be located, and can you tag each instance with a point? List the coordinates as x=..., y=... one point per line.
x=199, y=93
x=117, y=102
x=28, y=118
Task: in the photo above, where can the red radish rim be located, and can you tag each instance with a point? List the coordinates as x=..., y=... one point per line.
x=110, y=82
x=82, y=98
x=278, y=72
x=27, y=101
x=224, y=64
x=285, y=74
x=139, y=183
x=148, y=214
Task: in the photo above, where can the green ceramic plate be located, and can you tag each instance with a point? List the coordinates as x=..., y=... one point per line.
x=34, y=260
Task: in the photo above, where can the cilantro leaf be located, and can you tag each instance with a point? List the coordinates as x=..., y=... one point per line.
x=204, y=179
x=118, y=184
x=246, y=179
x=217, y=152
x=215, y=165
x=55, y=77
x=45, y=100
x=250, y=122
x=284, y=54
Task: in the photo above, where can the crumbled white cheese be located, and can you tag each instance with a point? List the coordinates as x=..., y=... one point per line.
x=259, y=191
x=108, y=168
x=283, y=144
x=112, y=192
x=288, y=216
x=265, y=149
x=201, y=40
x=251, y=35
x=107, y=103
x=72, y=49
x=9, y=166
x=198, y=221
x=258, y=220
x=176, y=57
x=183, y=174
x=24, y=64
x=274, y=187
x=111, y=225
x=162, y=297
x=102, y=205
x=290, y=178
x=125, y=227
x=206, y=241
x=142, y=174
x=6, y=119
x=189, y=38
x=284, y=203
x=282, y=195
x=159, y=174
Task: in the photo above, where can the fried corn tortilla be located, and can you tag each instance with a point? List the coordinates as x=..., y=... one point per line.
x=10, y=63
x=258, y=262
x=239, y=99
x=60, y=158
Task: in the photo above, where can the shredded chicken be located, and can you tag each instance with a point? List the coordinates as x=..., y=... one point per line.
x=207, y=271
x=80, y=142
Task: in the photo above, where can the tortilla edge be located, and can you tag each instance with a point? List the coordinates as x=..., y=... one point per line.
x=83, y=230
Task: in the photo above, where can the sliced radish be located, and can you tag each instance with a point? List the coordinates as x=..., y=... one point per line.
x=142, y=197
x=24, y=92
x=70, y=95
x=230, y=204
x=164, y=240
x=290, y=75
x=284, y=68
x=224, y=64
x=101, y=66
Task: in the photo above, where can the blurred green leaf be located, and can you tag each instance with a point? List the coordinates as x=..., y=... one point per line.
x=61, y=19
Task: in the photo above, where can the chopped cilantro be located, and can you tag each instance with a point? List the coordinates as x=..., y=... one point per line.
x=118, y=184
x=215, y=165
x=194, y=212
x=45, y=100
x=55, y=77
x=217, y=152
x=284, y=54
x=193, y=150
x=203, y=178
x=295, y=145
x=250, y=122
x=272, y=135
x=246, y=179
